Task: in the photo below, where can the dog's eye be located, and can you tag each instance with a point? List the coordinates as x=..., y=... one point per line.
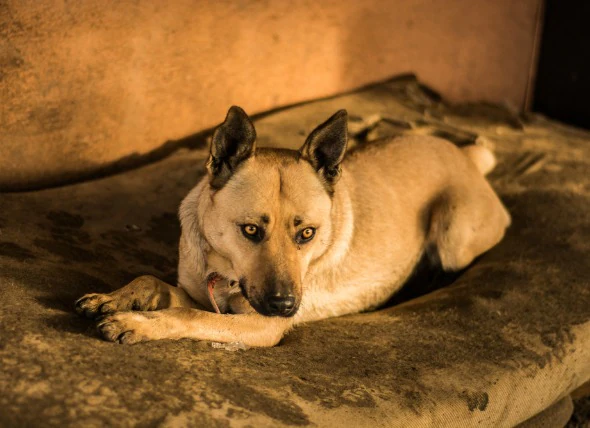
x=305, y=235
x=250, y=229
x=252, y=232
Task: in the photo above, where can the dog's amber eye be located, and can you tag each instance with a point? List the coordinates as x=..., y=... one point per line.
x=250, y=229
x=252, y=232
x=305, y=235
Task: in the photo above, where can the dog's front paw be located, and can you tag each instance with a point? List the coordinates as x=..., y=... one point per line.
x=128, y=327
x=94, y=305
x=142, y=294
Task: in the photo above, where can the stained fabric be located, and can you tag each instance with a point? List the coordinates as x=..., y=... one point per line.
x=507, y=339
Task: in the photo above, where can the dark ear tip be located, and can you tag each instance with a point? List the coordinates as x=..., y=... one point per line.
x=237, y=117
x=340, y=115
x=236, y=110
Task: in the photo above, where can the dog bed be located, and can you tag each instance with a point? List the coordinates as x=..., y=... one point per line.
x=507, y=341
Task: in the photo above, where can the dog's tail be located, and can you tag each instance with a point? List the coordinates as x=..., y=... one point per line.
x=482, y=157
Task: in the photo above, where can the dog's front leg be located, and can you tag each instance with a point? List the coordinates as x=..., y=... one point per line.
x=146, y=293
x=251, y=329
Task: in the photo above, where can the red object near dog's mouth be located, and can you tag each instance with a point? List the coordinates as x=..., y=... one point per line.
x=212, y=279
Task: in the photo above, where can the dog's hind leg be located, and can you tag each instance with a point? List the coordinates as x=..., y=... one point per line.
x=251, y=329
x=146, y=293
x=466, y=220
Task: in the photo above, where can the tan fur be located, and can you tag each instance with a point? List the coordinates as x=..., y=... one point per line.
x=395, y=200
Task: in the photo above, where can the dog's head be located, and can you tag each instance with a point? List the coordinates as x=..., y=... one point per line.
x=269, y=215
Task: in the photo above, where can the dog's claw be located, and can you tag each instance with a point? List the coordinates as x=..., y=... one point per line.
x=110, y=330
x=128, y=338
x=79, y=305
x=121, y=337
x=91, y=305
x=104, y=325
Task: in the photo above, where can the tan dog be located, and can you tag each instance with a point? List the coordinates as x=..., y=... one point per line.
x=297, y=236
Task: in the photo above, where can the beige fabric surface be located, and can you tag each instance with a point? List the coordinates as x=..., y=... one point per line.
x=509, y=338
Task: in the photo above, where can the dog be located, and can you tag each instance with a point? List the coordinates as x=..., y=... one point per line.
x=272, y=238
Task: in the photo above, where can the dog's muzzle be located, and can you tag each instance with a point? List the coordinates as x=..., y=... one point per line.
x=282, y=304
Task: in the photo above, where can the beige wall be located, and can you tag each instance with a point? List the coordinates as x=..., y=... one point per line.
x=84, y=83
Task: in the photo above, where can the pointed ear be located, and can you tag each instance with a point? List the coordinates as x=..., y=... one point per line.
x=232, y=143
x=326, y=145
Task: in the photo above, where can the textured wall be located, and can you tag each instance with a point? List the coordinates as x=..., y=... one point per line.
x=83, y=84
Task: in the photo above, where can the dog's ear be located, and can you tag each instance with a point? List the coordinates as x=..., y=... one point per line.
x=232, y=143
x=326, y=145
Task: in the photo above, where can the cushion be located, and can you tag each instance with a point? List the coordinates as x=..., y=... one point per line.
x=509, y=337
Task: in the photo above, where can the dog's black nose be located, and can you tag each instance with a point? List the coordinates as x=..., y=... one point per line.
x=279, y=304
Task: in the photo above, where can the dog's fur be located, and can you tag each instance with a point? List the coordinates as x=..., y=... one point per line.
x=375, y=215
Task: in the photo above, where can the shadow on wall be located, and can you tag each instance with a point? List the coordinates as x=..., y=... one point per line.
x=197, y=141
